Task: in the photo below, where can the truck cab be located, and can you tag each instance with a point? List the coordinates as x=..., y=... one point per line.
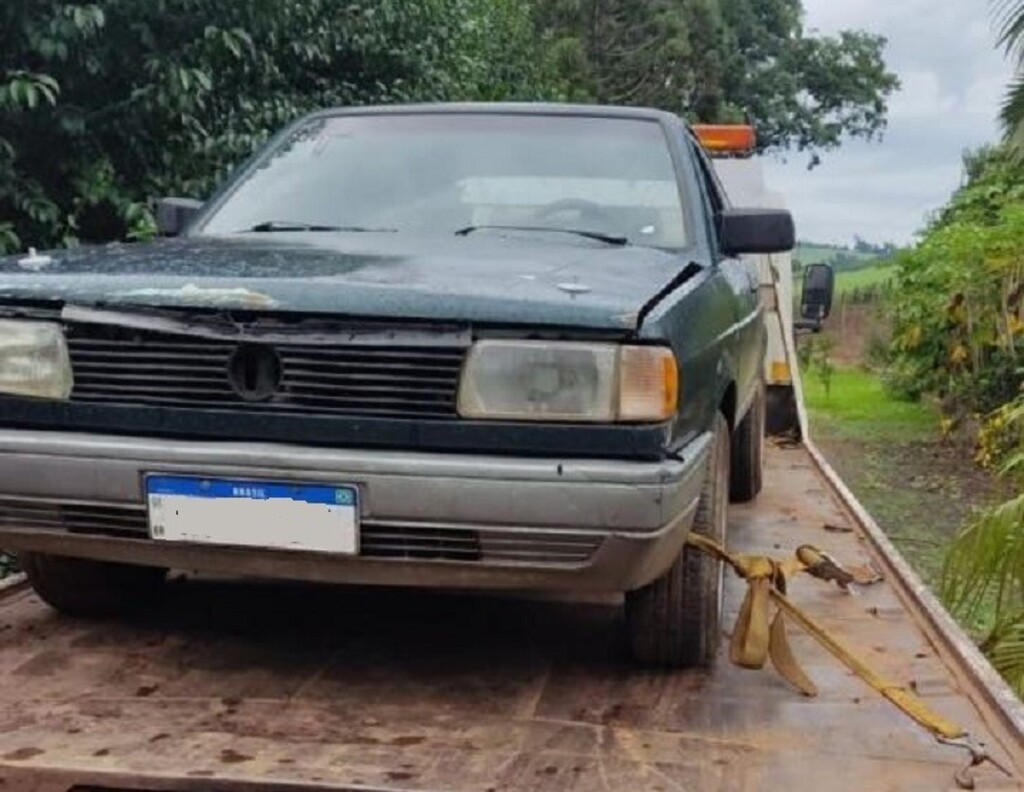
x=742, y=175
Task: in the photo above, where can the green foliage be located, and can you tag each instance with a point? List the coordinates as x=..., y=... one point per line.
x=1009, y=16
x=723, y=60
x=822, y=364
x=983, y=577
x=1000, y=438
x=958, y=333
x=957, y=300
x=864, y=284
x=105, y=104
x=805, y=352
x=862, y=408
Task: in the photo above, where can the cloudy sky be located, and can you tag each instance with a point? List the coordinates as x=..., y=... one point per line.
x=952, y=83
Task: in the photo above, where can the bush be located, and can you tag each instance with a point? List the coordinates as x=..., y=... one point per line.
x=106, y=104
x=958, y=305
x=983, y=575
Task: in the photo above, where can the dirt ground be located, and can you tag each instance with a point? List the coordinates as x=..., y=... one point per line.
x=853, y=328
x=920, y=487
x=919, y=491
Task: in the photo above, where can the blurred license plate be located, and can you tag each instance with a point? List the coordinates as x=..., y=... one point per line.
x=253, y=514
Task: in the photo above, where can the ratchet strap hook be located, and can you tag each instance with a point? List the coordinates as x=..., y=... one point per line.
x=758, y=637
x=977, y=755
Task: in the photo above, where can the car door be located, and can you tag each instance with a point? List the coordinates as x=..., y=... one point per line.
x=746, y=337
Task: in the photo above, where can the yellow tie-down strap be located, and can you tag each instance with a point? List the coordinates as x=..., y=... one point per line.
x=757, y=637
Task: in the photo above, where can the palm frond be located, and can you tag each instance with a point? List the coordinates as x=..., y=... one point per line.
x=1006, y=650
x=1012, y=111
x=983, y=576
x=1008, y=19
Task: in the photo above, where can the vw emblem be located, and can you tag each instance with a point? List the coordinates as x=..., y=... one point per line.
x=254, y=372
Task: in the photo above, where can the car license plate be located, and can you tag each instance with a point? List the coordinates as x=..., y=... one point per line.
x=253, y=514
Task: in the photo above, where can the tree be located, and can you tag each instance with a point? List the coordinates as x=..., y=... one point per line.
x=958, y=309
x=725, y=61
x=107, y=103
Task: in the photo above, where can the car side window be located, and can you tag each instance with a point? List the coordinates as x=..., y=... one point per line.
x=714, y=196
x=716, y=193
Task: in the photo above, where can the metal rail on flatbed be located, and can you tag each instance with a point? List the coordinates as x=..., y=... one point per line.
x=253, y=686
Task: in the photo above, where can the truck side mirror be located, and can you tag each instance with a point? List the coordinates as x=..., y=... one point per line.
x=755, y=231
x=173, y=215
x=818, y=291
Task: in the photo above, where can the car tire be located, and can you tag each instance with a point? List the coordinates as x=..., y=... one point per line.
x=747, y=474
x=83, y=587
x=675, y=622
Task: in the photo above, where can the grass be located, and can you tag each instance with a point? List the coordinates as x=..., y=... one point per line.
x=848, y=280
x=859, y=406
x=919, y=487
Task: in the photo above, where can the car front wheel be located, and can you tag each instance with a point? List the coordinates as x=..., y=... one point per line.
x=674, y=622
x=83, y=587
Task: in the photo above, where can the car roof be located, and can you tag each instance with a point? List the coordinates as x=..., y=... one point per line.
x=507, y=108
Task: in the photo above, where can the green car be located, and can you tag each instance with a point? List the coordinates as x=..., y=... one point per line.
x=467, y=346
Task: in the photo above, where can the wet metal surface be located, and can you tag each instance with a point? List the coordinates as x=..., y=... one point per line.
x=371, y=275
x=405, y=690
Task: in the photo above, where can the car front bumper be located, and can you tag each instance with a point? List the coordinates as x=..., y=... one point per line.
x=447, y=520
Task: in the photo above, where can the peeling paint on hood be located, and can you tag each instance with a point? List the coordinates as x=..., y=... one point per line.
x=190, y=294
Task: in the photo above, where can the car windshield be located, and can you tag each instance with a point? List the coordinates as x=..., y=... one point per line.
x=469, y=172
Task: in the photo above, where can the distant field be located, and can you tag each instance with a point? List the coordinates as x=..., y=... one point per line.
x=817, y=254
x=847, y=281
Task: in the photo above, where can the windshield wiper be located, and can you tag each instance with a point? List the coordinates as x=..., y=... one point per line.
x=609, y=239
x=271, y=226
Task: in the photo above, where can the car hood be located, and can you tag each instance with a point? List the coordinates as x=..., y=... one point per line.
x=486, y=278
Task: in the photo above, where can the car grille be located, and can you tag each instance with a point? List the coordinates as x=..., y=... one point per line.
x=163, y=369
x=402, y=540
x=104, y=519
x=377, y=539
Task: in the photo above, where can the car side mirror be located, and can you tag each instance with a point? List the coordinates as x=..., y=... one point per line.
x=174, y=215
x=755, y=231
x=818, y=290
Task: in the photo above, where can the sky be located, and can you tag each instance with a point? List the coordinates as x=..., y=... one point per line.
x=953, y=79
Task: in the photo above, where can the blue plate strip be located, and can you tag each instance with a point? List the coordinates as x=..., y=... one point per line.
x=249, y=490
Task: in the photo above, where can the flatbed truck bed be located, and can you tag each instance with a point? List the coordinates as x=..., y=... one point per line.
x=253, y=685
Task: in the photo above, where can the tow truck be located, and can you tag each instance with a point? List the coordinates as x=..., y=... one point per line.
x=236, y=684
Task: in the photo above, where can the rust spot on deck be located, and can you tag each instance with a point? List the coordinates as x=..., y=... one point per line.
x=231, y=756
x=21, y=754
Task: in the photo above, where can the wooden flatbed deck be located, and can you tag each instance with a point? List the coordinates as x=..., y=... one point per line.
x=245, y=685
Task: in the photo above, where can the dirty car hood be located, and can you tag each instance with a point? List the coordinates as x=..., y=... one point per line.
x=486, y=278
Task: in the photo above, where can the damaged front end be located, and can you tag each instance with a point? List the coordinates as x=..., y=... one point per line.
x=280, y=377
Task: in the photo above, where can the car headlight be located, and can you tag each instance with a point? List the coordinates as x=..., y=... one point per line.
x=568, y=381
x=34, y=360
